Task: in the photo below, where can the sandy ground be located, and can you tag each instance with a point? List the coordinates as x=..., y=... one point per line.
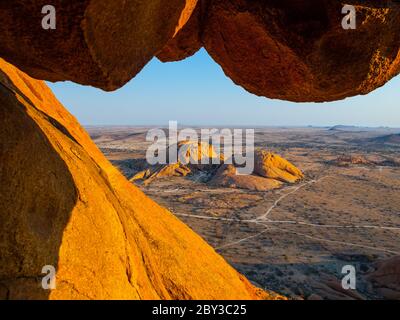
x=297, y=239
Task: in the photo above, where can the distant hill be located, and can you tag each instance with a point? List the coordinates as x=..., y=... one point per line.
x=391, y=138
x=362, y=129
x=343, y=128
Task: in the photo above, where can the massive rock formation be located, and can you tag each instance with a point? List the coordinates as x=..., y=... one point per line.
x=272, y=166
x=270, y=172
x=100, y=43
x=287, y=49
x=63, y=204
x=190, y=155
x=296, y=50
x=227, y=176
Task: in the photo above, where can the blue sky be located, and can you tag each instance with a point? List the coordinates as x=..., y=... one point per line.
x=196, y=92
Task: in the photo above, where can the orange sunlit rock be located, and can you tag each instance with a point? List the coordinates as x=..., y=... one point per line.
x=272, y=166
x=190, y=154
x=187, y=41
x=63, y=204
x=227, y=176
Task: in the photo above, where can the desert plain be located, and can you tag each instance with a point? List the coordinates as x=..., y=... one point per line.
x=296, y=239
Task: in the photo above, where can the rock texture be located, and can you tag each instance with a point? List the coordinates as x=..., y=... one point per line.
x=100, y=43
x=290, y=50
x=296, y=50
x=63, y=204
x=272, y=166
x=187, y=41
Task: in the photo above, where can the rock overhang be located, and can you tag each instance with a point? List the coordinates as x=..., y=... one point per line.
x=288, y=50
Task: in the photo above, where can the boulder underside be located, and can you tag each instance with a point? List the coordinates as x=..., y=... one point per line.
x=289, y=50
x=63, y=204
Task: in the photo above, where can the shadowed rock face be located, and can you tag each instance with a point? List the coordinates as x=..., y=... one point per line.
x=286, y=49
x=37, y=194
x=187, y=41
x=100, y=43
x=297, y=50
x=63, y=204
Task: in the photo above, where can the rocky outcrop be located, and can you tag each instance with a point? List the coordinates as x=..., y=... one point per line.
x=227, y=176
x=270, y=172
x=63, y=204
x=297, y=50
x=349, y=160
x=190, y=155
x=290, y=50
x=99, y=43
x=161, y=171
x=272, y=166
x=198, y=153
